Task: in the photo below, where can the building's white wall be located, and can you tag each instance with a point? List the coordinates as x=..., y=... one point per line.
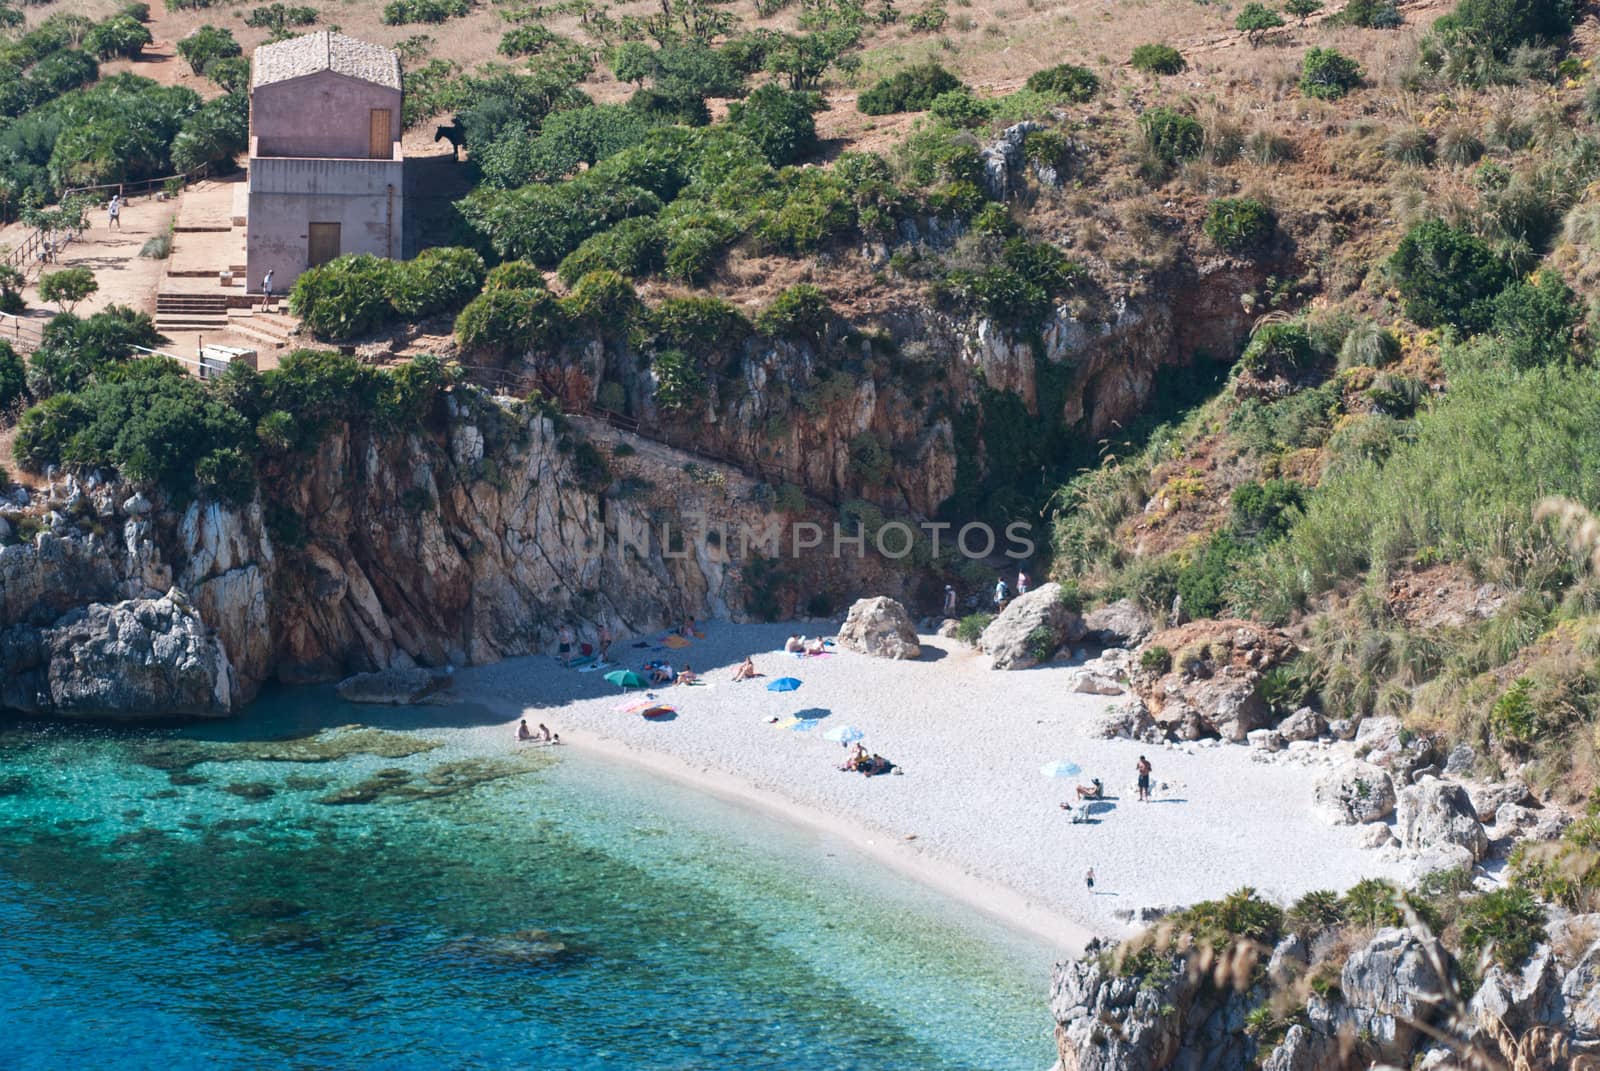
x=286, y=195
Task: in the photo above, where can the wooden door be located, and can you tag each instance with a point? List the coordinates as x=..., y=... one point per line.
x=323, y=245
x=380, y=147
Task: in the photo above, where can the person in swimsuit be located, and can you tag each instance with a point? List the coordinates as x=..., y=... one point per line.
x=1144, y=779
x=564, y=645
x=523, y=732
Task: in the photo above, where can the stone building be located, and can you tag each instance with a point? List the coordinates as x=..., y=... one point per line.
x=326, y=171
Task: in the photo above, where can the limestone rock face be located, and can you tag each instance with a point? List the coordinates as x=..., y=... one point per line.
x=1384, y=986
x=1106, y=1023
x=1581, y=992
x=138, y=658
x=1353, y=793
x=1434, y=813
x=880, y=627
x=392, y=687
x=1030, y=629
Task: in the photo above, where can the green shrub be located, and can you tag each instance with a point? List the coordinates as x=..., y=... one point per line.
x=1369, y=14
x=1278, y=347
x=231, y=73
x=971, y=627
x=1065, y=82
x=1499, y=27
x=1506, y=924
x=1513, y=715
x=214, y=134
x=509, y=321
x=120, y=35
x=1328, y=74
x=603, y=300
x=514, y=275
x=406, y=12
x=1315, y=912
x=1370, y=345
x=13, y=378
x=71, y=351
x=634, y=247
x=1156, y=659
x=67, y=287
x=1240, y=916
x=1264, y=511
x=799, y=313
x=910, y=90
x=440, y=279
x=1373, y=903
x=205, y=45
x=778, y=122
x=1206, y=584
x=960, y=107
x=1255, y=21
x=680, y=383
x=344, y=299
x=1171, y=136
x=1537, y=320
x=1447, y=276
x=1302, y=9
x=1158, y=59
x=1303, y=419
x=152, y=422
x=1238, y=224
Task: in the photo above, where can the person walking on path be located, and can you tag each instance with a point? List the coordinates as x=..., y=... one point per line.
x=949, y=601
x=114, y=213
x=266, y=290
x=1144, y=779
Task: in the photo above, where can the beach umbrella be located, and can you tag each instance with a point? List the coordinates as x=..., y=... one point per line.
x=625, y=678
x=1061, y=768
x=783, y=684
x=843, y=734
x=659, y=710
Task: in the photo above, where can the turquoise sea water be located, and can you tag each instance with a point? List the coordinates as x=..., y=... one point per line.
x=174, y=899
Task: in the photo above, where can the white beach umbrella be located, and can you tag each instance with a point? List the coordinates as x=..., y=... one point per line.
x=1061, y=768
x=843, y=734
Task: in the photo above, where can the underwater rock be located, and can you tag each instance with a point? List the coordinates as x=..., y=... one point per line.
x=394, y=785
x=251, y=790
x=523, y=948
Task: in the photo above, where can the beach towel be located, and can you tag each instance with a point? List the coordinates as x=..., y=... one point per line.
x=642, y=643
x=595, y=666
x=675, y=642
x=802, y=725
x=788, y=723
x=579, y=663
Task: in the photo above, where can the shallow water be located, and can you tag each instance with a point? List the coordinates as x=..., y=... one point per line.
x=481, y=911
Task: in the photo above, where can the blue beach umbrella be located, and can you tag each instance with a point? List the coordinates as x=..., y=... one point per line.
x=783, y=684
x=843, y=734
x=1061, y=768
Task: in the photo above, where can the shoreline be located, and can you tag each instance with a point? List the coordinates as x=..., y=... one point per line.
x=970, y=811
x=1007, y=905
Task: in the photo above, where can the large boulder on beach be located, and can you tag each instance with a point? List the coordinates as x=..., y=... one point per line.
x=392, y=687
x=880, y=627
x=1433, y=813
x=1118, y=624
x=1353, y=793
x=1031, y=629
x=138, y=658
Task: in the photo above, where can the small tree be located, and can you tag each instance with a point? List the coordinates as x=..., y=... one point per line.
x=67, y=287
x=120, y=35
x=1328, y=74
x=778, y=121
x=1256, y=21
x=1302, y=9
x=206, y=45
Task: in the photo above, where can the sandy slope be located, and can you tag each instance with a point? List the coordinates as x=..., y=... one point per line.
x=985, y=824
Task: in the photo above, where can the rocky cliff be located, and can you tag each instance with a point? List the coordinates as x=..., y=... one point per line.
x=462, y=543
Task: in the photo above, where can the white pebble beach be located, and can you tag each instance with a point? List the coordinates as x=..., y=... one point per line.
x=969, y=809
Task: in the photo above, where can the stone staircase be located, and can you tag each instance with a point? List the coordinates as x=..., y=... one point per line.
x=272, y=330
x=191, y=312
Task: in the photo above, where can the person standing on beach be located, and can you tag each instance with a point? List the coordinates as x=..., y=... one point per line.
x=949, y=601
x=605, y=642
x=564, y=645
x=1088, y=879
x=1144, y=779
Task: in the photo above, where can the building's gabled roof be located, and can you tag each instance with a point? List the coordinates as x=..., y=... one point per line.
x=325, y=51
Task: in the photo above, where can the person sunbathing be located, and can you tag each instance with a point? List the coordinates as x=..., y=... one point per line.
x=1092, y=791
x=746, y=670
x=815, y=646
x=661, y=674
x=687, y=675
x=794, y=645
x=855, y=758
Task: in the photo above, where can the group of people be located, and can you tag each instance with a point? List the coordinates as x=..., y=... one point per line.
x=797, y=644
x=861, y=761
x=542, y=736
x=661, y=672
x=1001, y=596
x=1095, y=789
x=567, y=644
